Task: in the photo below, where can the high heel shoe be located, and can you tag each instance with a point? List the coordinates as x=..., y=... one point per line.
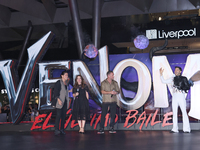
x=81, y=130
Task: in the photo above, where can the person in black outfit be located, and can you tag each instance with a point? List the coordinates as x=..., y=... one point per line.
x=81, y=111
x=61, y=101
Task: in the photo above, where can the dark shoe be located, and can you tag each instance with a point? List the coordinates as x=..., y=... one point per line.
x=186, y=132
x=101, y=131
x=173, y=132
x=82, y=132
x=62, y=132
x=112, y=130
x=56, y=132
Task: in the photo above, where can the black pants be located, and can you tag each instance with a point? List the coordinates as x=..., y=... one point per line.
x=61, y=114
x=105, y=106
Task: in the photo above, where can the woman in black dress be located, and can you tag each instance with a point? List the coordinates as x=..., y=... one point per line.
x=81, y=111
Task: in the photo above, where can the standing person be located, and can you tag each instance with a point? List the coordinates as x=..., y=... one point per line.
x=81, y=111
x=109, y=89
x=61, y=101
x=6, y=109
x=180, y=86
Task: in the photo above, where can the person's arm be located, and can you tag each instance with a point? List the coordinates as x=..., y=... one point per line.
x=166, y=81
x=106, y=92
x=86, y=91
x=117, y=87
x=75, y=93
x=87, y=95
x=70, y=90
x=57, y=89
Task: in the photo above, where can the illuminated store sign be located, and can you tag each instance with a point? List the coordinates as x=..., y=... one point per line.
x=160, y=34
x=4, y=91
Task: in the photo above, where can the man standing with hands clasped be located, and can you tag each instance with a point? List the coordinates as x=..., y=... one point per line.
x=180, y=86
x=109, y=89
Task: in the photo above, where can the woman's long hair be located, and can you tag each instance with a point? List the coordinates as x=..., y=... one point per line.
x=82, y=82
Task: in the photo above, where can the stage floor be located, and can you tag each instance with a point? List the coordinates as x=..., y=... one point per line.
x=122, y=140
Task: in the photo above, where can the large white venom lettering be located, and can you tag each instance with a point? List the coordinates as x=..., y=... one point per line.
x=18, y=96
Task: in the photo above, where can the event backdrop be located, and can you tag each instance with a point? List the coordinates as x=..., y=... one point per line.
x=130, y=77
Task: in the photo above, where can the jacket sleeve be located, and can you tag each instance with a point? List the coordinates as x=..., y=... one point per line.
x=185, y=84
x=56, y=92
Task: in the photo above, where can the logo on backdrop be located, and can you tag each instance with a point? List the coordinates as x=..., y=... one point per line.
x=160, y=34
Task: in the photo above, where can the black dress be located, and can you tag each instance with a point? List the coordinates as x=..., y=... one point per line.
x=80, y=109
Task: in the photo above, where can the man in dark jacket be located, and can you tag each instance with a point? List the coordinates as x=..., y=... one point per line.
x=61, y=101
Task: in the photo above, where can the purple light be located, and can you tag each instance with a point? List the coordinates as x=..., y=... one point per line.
x=141, y=42
x=90, y=51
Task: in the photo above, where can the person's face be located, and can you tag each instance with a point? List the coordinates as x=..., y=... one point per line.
x=79, y=80
x=111, y=76
x=65, y=76
x=177, y=71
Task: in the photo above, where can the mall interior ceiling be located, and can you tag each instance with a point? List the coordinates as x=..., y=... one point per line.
x=121, y=21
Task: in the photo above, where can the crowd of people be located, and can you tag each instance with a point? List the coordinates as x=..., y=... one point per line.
x=5, y=109
x=31, y=112
x=80, y=109
x=109, y=90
